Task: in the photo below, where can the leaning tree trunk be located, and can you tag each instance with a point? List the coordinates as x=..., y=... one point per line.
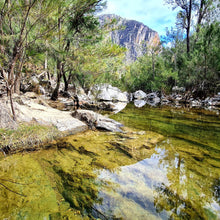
x=10, y=83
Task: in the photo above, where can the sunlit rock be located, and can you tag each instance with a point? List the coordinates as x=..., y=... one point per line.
x=177, y=89
x=106, y=92
x=95, y=120
x=131, y=34
x=139, y=95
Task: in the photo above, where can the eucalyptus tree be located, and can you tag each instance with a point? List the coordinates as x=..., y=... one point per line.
x=100, y=62
x=20, y=27
x=184, y=16
x=79, y=22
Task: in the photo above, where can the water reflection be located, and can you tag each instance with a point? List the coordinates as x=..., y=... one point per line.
x=139, y=103
x=139, y=174
x=132, y=194
x=169, y=184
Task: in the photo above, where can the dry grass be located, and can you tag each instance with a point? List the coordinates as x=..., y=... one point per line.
x=27, y=137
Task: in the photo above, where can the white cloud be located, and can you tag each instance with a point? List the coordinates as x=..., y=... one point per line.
x=154, y=14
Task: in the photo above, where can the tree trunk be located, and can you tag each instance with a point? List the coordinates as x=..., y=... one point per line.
x=55, y=93
x=12, y=105
x=66, y=83
x=153, y=65
x=189, y=13
x=17, y=83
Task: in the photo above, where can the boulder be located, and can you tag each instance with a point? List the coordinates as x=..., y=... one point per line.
x=31, y=108
x=196, y=104
x=34, y=80
x=95, y=120
x=106, y=106
x=139, y=95
x=106, y=92
x=177, y=89
x=165, y=100
x=152, y=99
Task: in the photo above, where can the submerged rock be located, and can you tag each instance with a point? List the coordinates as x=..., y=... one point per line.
x=95, y=120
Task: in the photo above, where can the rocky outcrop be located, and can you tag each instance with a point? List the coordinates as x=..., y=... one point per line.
x=95, y=120
x=31, y=108
x=131, y=34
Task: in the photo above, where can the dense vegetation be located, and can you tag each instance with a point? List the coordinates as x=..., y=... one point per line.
x=189, y=55
x=63, y=40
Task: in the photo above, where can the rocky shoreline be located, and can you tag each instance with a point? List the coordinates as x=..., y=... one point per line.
x=70, y=116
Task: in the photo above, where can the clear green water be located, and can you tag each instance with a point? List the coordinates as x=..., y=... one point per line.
x=165, y=166
x=182, y=178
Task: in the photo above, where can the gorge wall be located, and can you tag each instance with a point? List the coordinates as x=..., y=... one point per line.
x=131, y=34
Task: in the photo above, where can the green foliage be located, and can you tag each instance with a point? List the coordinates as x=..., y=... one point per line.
x=199, y=69
x=66, y=35
x=149, y=74
x=98, y=62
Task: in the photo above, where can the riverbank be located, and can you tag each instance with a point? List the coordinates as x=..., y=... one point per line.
x=41, y=120
x=37, y=123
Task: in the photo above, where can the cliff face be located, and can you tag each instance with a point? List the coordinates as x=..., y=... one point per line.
x=133, y=35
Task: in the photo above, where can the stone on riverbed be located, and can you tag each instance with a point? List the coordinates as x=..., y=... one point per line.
x=95, y=120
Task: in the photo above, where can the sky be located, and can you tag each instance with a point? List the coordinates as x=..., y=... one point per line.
x=153, y=13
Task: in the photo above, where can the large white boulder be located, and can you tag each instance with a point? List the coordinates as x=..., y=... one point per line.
x=139, y=95
x=106, y=92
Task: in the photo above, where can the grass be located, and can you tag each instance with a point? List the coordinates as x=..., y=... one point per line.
x=27, y=137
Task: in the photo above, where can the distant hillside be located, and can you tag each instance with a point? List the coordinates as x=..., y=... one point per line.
x=131, y=34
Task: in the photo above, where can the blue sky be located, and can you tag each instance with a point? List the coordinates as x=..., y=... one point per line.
x=153, y=13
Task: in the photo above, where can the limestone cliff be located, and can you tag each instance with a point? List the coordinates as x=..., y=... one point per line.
x=133, y=35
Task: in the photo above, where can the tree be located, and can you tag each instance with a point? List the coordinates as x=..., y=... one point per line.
x=20, y=26
x=184, y=16
x=79, y=20
x=203, y=12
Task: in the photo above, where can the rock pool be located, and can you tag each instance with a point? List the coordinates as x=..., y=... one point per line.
x=166, y=165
